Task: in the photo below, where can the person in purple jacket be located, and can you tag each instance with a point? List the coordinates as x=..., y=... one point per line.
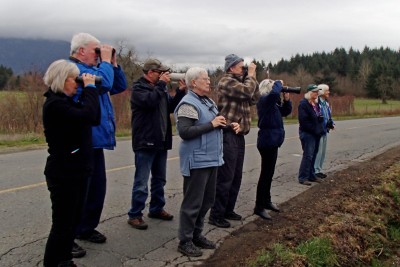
x=99, y=59
x=271, y=134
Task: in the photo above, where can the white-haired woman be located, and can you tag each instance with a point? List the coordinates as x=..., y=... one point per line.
x=67, y=128
x=323, y=96
x=200, y=152
x=271, y=134
x=310, y=131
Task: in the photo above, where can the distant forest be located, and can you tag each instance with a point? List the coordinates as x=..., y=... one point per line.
x=372, y=72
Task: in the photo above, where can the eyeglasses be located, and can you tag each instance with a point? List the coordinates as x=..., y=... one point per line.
x=158, y=71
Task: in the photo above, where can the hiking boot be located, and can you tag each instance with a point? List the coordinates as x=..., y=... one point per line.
x=233, y=216
x=78, y=251
x=203, y=242
x=189, y=249
x=138, y=223
x=219, y=222
x=93, y=236
x=321, y=175
x=162, y=215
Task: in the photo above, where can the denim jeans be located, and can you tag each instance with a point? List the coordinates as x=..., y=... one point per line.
x=146, y=162
x=310, y=144
x=319, y=161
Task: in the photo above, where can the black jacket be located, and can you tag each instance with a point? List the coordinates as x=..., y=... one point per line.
x=150, y=105
x=68, y=131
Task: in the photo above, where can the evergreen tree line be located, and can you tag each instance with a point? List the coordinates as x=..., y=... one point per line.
x=373, y=73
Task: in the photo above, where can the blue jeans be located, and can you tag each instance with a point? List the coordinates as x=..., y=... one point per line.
x=146, y=161
x=310, y=144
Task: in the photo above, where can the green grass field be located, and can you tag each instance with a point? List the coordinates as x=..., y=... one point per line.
x=363, y=105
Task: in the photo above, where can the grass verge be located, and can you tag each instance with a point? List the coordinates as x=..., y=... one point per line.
x=365, y=231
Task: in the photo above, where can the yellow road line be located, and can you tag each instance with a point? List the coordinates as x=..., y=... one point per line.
x=169, y=159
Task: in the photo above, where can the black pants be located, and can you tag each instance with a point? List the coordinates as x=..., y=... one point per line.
x=67, y=197
x=268, y=162
x=229, y=176
x=95, y=195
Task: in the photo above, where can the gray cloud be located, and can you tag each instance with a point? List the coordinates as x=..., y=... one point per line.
x=185, y=33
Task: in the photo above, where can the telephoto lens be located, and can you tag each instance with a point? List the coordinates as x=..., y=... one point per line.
x=287, y=89
x=97, y=80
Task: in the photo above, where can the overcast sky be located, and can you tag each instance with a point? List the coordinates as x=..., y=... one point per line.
x=201, y=33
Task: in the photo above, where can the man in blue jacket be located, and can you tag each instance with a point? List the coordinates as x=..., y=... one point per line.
x=151, y=107
x=99, y=59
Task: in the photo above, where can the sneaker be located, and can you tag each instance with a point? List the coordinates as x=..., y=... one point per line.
x=162, y=215
x=219, y=222
x=305, y=182
x=233, y=216
x=138, y=223
x=78, y=251
x=93, y=236
x=321, y=175
x=203, y=242
x=189, y=249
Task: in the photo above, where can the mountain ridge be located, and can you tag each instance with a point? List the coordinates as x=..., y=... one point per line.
x=24, y=55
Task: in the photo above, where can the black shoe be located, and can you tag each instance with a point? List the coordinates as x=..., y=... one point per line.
x=78, y=251
x=273, y=207
x=203, y=242
x=219, y=222
x=262, y=213
x=93, y=236
x=233, y=216
x=321, y=175
x=305, y=182
x=67, y=264
x=189, y=249
x=316, y=180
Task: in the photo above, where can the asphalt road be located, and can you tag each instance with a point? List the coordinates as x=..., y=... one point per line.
x=25, y=204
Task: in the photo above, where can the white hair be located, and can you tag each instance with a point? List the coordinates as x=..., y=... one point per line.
x=58, y=72
x=81, y=40
x=265, y=86
x=193, y=74
x=322, y=88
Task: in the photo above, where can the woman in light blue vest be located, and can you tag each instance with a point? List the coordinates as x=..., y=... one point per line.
x=200, y=153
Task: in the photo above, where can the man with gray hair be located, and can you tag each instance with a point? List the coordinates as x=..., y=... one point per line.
x=328, y=124
x=99, y=59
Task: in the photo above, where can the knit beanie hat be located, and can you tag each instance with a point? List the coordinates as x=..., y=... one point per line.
x=231, y=60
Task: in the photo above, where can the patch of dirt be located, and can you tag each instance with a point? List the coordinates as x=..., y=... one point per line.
x=303, y=214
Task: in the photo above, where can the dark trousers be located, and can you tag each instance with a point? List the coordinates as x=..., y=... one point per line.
x=95, y=195
x=229, y=176
x=198, y=197
x=67, y=197
x=268, y=162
